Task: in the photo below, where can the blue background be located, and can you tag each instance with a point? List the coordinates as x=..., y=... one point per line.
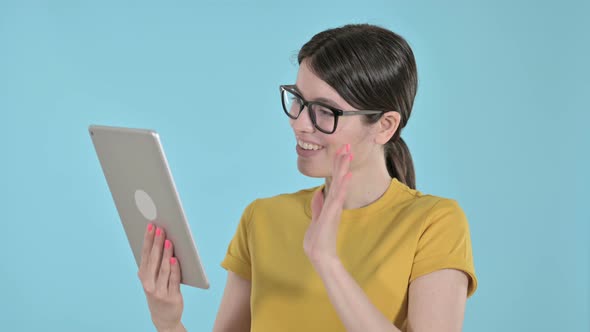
x=499, y=124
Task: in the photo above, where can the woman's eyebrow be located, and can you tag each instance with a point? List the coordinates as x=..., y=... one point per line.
x=330, y=102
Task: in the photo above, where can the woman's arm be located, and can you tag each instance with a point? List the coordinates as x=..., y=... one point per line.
x=436, y=301
x=234, y=310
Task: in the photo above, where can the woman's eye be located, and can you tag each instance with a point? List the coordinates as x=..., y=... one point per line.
x=324, y=111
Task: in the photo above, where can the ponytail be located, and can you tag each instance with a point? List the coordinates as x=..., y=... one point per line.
x=399, y=161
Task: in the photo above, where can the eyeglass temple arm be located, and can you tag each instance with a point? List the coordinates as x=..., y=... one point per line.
x=363, y=112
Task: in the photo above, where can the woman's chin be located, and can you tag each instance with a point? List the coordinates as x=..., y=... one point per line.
x=310, y=171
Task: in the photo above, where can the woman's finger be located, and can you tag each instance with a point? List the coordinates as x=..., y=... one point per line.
x=148, y=241
x=343, y=167
x=336, y=165
x=333, y=209
x=317, y=203
x=344, y=187
x=175, y=277
x=156, y=253
x=337, y=161
x=339, y=183
x=164, y=272
x=338, y=158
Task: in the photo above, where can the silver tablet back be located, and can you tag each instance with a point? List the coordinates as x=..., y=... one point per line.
x=140, y=181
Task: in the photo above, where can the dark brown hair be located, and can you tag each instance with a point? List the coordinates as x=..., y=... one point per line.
x=371, y=68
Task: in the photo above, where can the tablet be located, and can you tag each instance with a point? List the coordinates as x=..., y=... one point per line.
x=140, y=181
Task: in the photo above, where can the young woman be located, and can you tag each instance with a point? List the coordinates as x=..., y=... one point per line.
x=365, y=251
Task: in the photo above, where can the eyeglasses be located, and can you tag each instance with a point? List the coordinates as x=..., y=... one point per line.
x=323, y=117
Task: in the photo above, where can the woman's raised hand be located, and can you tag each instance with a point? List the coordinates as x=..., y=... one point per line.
x=319, y=243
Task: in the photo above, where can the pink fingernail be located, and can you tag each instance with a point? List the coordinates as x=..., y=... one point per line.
x=347, y=147
x=351, y=157
x=167, y=244
x=150, y=227
x=158, y=231
x=172, y=260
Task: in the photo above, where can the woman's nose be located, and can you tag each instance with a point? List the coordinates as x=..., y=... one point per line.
x=303, y=122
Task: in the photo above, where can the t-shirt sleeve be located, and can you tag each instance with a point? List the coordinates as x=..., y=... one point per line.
x=445, y=243
x=237, y=258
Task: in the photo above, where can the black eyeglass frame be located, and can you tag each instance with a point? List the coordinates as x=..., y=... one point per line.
x=304, y=103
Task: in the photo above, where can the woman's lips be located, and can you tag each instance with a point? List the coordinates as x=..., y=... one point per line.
x=307, y=153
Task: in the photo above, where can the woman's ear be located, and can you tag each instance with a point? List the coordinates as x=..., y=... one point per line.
x=387, y=125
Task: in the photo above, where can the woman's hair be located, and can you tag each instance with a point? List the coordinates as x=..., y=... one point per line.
x=371, y=68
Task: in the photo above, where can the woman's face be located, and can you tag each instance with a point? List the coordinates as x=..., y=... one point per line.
x=351, y=130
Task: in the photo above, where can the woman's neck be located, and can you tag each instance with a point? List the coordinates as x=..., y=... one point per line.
x=366, y=186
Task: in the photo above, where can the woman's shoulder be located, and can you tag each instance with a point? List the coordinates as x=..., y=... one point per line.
x=427, y=203
x=432, y=214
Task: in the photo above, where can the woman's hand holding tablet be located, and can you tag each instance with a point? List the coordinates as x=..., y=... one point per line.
x=159, y=272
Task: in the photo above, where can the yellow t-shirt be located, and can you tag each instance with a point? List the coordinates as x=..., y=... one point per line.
x=384, y=246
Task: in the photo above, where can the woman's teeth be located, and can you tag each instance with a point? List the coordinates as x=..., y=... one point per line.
x=309, y=146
